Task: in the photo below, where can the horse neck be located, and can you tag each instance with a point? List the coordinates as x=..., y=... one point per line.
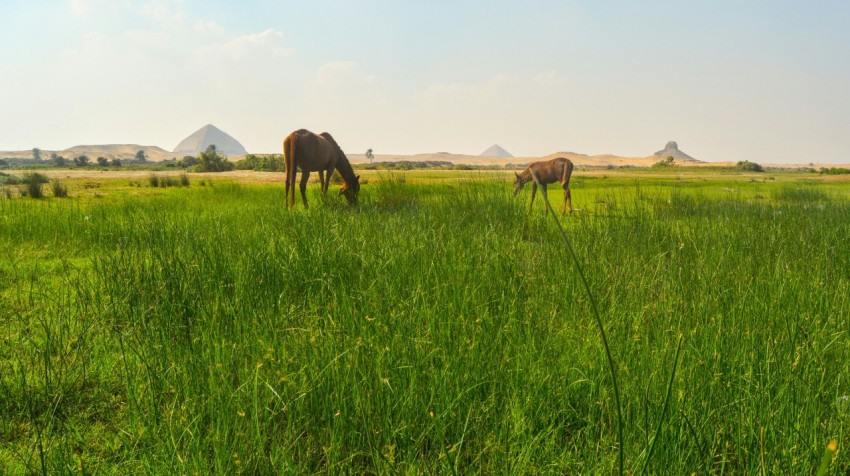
x=526, y=176
x=343, y=166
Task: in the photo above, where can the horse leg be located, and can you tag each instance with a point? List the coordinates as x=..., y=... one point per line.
x=288, y=186
x=322, y=182
x=545, y=192
x=305, y=175
x=533, y=193
x=565, y=183
x=330, y=172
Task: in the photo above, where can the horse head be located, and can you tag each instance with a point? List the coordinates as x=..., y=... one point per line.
x=518, y=183
x=350, y=190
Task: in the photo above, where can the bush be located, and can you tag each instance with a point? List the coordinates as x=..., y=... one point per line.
x=59, y=190
x=834, y=171
x=211, y=161
x=33, y=184
x=262, y=163
x=35, y=177
x=6, y=179
x=748, y=166
x=668, y=162
x=6, y=192
x=168, y=181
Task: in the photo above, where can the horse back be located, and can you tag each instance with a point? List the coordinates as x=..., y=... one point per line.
x=311, y=152
x=551, y=171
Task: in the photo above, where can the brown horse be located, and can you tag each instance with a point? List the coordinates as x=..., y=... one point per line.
x=317, y=153
x=558, y=169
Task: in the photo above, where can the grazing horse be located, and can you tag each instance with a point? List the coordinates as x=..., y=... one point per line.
x=558, y=169
x=317, y=153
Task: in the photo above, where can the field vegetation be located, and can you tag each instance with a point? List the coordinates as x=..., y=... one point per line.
x=437, y=327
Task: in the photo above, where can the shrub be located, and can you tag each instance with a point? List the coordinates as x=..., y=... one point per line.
x=59, y=190
x=834, y=171
x=748, y=166
x=168, y=181
x=211, y=161
x=6, y=179
x=668, y=162
x=33, y=184
x=35, y=177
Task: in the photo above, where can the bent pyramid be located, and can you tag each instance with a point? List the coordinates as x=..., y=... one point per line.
x=496, y=151
x=207, y=136
x=672, y=150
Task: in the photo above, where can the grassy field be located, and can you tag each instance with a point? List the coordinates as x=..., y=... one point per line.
x=437, y=327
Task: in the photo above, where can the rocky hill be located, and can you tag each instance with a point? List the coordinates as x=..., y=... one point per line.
x=672, y=150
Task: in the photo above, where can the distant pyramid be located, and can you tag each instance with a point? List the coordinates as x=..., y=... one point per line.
x=672, y=150
x=207, y=136
x=496, y=151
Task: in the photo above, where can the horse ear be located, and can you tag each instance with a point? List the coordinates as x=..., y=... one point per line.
x=517, y=175
x=358, y=177
x=341, y=191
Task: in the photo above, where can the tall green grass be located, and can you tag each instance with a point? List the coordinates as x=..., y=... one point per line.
x=435, y=328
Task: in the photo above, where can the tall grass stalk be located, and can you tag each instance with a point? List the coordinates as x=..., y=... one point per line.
x=611, y=365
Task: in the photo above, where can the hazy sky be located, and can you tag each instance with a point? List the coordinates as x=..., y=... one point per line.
x=760, y=80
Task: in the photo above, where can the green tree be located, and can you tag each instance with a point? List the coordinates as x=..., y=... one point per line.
x=81, y=160
x=187, y=161
x=211, y=161
x=141, y=157
x=36, y=155
x=102, y=161
x=369, y=155
x=115, y=162
x=748, y=166
x=58, y=160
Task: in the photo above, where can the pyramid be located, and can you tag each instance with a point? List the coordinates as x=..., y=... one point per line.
x=206, y=136
x=496, y=151
x=672, y=150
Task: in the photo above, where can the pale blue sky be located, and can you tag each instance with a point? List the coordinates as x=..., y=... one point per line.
x=767, y=81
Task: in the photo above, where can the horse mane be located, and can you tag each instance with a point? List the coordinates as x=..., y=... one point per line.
x=343, y=164
x=526, y=176
x=345, y=168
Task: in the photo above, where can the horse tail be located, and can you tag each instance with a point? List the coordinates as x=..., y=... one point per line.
x=290, y=146
x=568, y=171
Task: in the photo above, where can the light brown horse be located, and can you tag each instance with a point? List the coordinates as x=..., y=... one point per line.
x=317, y=153
x=558, y=169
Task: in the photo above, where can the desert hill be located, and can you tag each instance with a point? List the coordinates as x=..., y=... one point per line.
x=110, y=151
x=601, y=160
x=118, y=151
